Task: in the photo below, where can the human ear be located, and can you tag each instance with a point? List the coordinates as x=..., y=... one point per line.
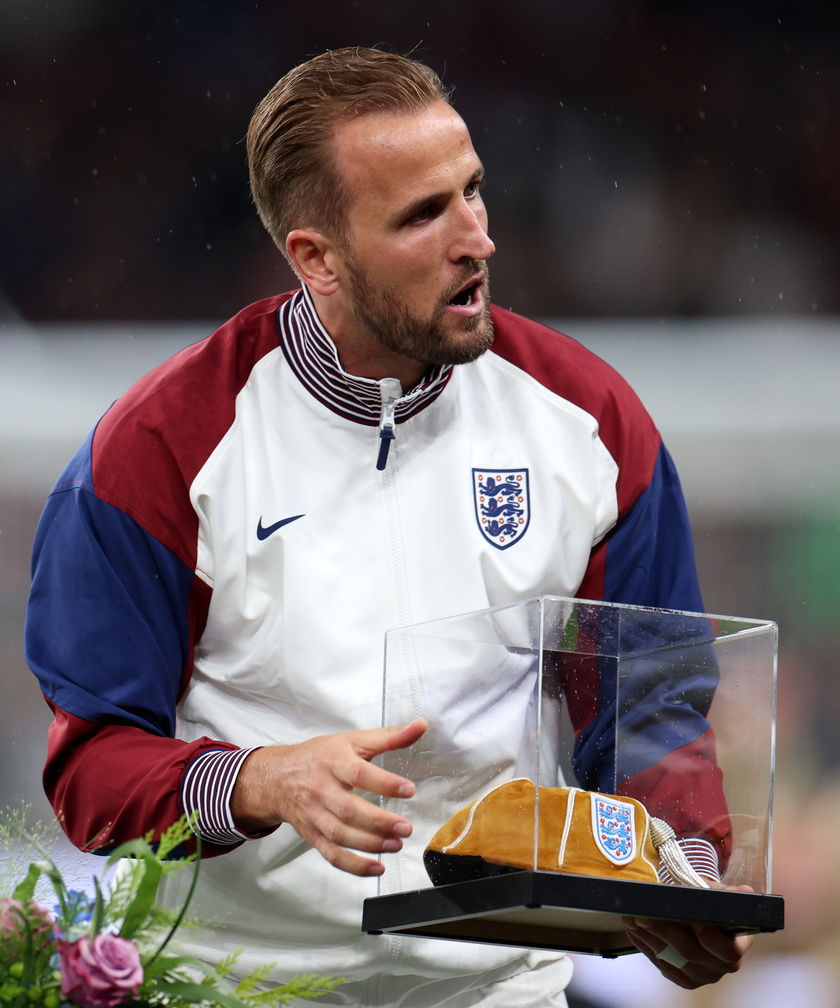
x=314, y=257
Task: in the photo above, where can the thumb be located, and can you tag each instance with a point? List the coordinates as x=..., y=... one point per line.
x=379, y=740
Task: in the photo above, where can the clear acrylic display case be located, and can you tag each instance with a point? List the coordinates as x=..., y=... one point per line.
x=674, y=709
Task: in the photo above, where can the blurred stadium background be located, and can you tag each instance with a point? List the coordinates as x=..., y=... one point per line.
x=664, y=185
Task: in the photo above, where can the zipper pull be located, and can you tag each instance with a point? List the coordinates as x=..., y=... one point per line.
x=390, y=390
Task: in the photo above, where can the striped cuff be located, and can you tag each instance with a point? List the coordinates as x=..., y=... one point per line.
x=701, y=855
x=207, y=788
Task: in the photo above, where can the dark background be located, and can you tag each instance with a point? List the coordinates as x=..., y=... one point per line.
x=668, y=173
x=643, y=158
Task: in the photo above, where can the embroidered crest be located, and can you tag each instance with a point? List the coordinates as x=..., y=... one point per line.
x=613, y=829
x=502, y=504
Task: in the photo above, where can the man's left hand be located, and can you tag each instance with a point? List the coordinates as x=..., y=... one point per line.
x=689, y=955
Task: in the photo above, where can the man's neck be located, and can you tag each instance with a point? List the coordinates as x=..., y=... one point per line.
x=360, y=353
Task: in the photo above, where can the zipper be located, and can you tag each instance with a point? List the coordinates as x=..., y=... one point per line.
x=390, y=390
x=396, y=599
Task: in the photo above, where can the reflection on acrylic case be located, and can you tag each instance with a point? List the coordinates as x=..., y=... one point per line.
x=577, y=738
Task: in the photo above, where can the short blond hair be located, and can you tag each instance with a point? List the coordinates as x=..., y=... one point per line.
x=295, y=181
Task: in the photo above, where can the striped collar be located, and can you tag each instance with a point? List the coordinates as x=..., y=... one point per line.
x=313, y=357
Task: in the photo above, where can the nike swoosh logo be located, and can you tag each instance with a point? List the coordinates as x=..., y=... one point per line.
x=264, y=533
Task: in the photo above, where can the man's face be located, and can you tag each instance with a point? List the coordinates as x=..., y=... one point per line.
x=415, y=277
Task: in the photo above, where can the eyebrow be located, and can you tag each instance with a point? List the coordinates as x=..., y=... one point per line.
x=414, y=207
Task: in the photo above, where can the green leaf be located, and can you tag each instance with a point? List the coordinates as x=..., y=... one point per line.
x=177, y=834
x=198, y=992
x=25, y=889
x=48, y=867
x=98, y=910
x=300, y=987
x=144, y=899
x=130, y=849
x=185, y=906
x=162, y=965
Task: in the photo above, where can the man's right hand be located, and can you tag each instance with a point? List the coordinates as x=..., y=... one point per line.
x=311, y=785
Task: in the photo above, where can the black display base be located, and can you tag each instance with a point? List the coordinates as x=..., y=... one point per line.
x=572, y=913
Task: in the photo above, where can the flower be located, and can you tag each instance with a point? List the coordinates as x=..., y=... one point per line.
x=100, y=972
x=14, y=912
x=113, y=947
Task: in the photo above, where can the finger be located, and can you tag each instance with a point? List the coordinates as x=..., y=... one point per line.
x=375, y=741
x=641, y=939
x=361, y=840
x=367, y=744
x=345, y=859
x=659, y=933
x=670, y=964
x=343, y=808
x=676, y=941
x=722, y=944
x=340, y=834
x=677, y=953
x=363, y=776
x=340, y=844
x=671, y=957
x=705, y=943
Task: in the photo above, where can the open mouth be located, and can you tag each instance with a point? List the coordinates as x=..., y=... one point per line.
x=465, y=295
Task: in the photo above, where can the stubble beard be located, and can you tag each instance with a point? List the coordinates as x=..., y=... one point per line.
x=425, y=340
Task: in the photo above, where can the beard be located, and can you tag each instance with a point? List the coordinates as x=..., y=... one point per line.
x=427, y=340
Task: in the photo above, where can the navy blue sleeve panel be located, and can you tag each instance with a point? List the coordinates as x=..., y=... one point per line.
x=112, y=620
x=108, y=625
x=116, y=608
x=649, y=557
x=650, y=704
x=666, y=756
x=646, y=560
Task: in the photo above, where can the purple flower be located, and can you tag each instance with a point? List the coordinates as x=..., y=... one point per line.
x=100, y=972
x=12, y=912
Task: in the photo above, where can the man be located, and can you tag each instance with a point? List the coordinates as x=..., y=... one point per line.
x=215, y=571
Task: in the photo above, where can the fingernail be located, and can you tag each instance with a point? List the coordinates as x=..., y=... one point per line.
x=391, y=846
x=406, y=791
x=402, y=828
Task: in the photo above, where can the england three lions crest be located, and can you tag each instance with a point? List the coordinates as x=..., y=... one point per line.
x=502, y=505
x=614, y=830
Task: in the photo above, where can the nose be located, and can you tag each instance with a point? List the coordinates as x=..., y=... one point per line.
x=470, y=240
